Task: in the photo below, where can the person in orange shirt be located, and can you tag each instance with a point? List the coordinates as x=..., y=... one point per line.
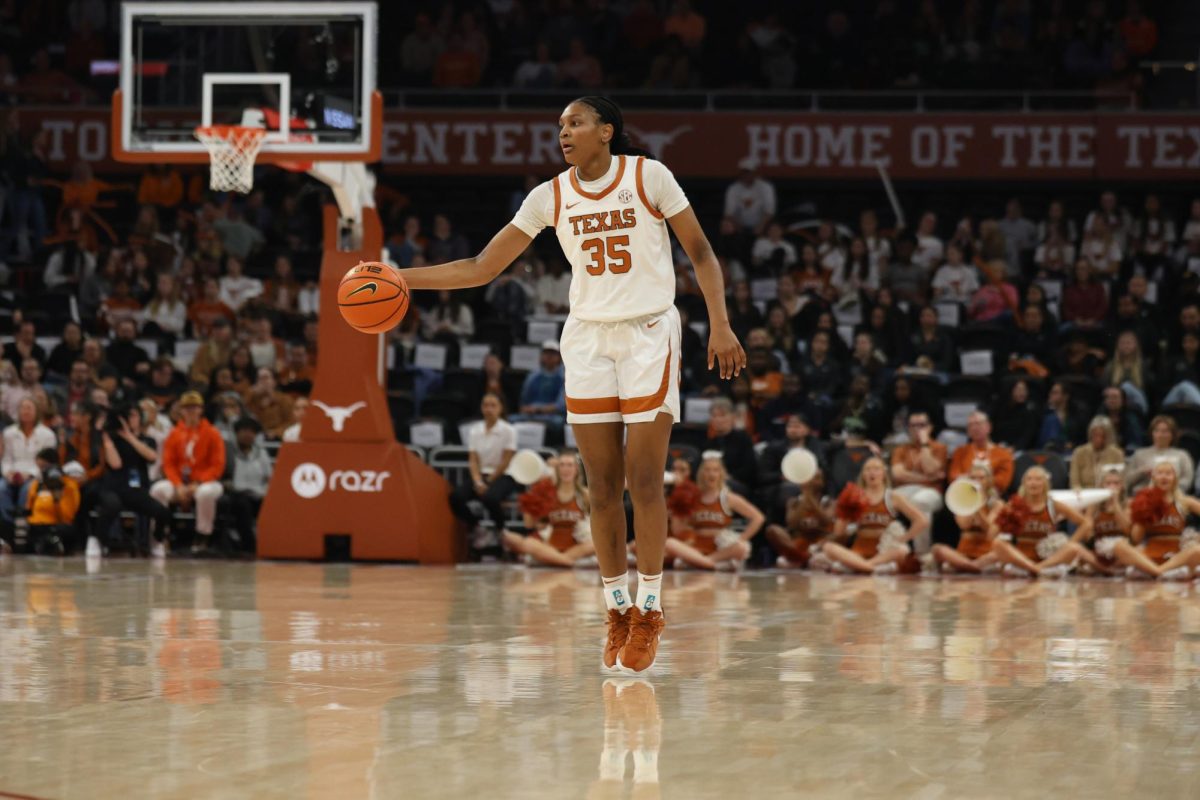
x=53, y=504
x=193, y=462
x=980, y=447
x=922, y=461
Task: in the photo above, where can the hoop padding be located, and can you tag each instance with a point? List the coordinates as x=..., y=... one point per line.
x=232, y=149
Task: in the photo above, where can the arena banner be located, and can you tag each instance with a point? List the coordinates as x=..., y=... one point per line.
x=932, y=146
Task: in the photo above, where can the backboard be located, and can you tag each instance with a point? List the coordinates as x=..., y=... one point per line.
x=303, y=70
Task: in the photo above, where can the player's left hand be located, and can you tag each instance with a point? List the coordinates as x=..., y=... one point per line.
x=725, y=350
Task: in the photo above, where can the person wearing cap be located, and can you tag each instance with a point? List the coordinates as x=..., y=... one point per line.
x=750, y=201
x=543, y=396
x=193, y=463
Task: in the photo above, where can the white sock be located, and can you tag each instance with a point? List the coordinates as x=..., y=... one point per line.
x=649, y=595
x=616, y=592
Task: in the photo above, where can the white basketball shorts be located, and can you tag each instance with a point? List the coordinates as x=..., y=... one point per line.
x=625, y=371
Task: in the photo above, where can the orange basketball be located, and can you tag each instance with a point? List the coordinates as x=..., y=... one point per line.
x=372, y=297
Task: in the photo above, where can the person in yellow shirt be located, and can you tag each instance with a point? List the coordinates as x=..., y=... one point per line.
x=52, y=506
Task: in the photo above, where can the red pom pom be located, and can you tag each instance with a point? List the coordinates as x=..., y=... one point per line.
x=1149, y=506
x=684, y=499
x=540, y=500
x=1013, y=516
x=851, y=503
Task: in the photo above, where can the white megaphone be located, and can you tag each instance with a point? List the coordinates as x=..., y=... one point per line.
x=964, y=497
x=527, y=467
x=1079, y=499
x=799, y=465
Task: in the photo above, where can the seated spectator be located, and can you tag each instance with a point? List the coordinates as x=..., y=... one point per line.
x=1129, y=423
x=78, y=387
x=103, y=373
x=282, y=292
x=1033, y=340
x=24, y=346
x=538, y=72
x=193, y=463
x=996, y=300
x=1061, y=428
x=238, y=237
x=52, y=508
x=1056, y=221
x=780, y=336
x=1054, y=257
x=166, y=383
x=865, y=360
x=933, y=341
x=1088, y=460
x=774, y=415
x=796, y=433
x=1079, y=358
x=922, y=461
x=236, y=288
x=213, y=352
x=1181, y=378
x=247, y=475
x=242, y=371
x=156, y=424
x=265, y=350
x=820, y=373
x=23, y=440
x=955, y=280
x=1018, y=418
x=980, y=447
x=125, y=486
x=446, y=244
x=580, y=69
x=856, y=275
x=65, y=353
x=862, y=406
x=1085, y=302
x=299, y=409
x=736, y=446
x=130, y=360
x=1101, y=249
x=29, y=385
x=296, y=377
x=543, y=397
x=450, y=317
x=766, y=381
x=905, y=276
x=552, y=291
x=1128, y=369
x=492, y=379
x=81, y=440
x=166, y=314
x=206, y=310
x=120, y=306
x=1163, y=434
x=491, y=445
x=271, y=407
x=930, y=250
x=774, y=252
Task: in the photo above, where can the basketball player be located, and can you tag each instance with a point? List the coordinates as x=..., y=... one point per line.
x=620, y=345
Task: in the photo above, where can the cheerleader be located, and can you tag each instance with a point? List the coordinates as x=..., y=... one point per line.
x=880, y=541
x=701, y=514
x=977, y=531
x=808, y=518
x=1028, y=531
x=556, y=509
x=1111, y=522
x=1159, y=546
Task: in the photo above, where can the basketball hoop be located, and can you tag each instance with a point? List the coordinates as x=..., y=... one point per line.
x=233, y=149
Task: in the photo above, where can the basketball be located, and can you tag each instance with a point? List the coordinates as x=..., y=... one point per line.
x=372, y=297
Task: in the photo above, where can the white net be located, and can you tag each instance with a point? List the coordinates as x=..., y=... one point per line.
x=233, y=149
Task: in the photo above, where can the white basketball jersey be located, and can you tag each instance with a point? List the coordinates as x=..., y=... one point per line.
x=617, y=244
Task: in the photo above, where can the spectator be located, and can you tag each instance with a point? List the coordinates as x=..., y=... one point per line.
x=1061, y=427
x=272, y=408
x=922, y=461
x=795, y=432
x=236, y=287
x=23, y=440
x=166, y=384
x=131, y=361
x=457, y=66
x=419, y=51
x=1163, y=433
x=120, y=306
x=239, y=239
x=819, y=371
x=996, y=300
x=906, y=277
x=78, y=387
x=781, y=334
x=865, y=360
x=955, y=280
x=980, y=447
x=1033, y=341
x=1078, y=358
x=206, y=310
x=735, y=446
x=1181, y=378
x=491, y=445
x=282, y=291
x=1020, y=235
x=765, y=379
x=860, y=407
x=856, y=274
x=543, y=397
x=242, y=372
x=750, y=201
x=580, y=69
x=787, y=298
x=1153, y=235
x=247, y=476
x=773, y=251
x=743, y=313
x=830, y=254
x=213, y=352
x=68, y=267
x=24, y=346
x=129, y=455
x=931, y=340
x=1088, y=460
x=510, y=295
x=1129, y=424
x=684, y=23
x=879, y=248
x=492, y=381
x=930, y=250
x=1056, y=221
x=414, y=242
x=66, y=352
x=1118, y=221
x=553, y=289
x=265, y=350
x=671, y=68
x=451, y=318
x=299, y=409
x=30, y=387
x=446, y=245
x=296, y=377
x=166, y=313
x=774, y=415
x=1054, y=256
x=1139, y=33
x=53, y=504
x=81, y=442
x=1128, y=367
x=538, y=72
x=193, y=463
x=1101, y=248
x=157, y=426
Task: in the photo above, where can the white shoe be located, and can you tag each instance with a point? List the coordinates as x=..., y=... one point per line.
x=728, y=565
x=680, y=564
x=783, y=563
x=1057, y=572
x=1013, y=571
x=890, y=568
x=1177, y=574
x=94, y=550
x=158, y=549
x=1132, y=573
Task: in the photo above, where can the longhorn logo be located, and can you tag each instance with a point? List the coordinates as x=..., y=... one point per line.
x=339, y=414
x=657, y=141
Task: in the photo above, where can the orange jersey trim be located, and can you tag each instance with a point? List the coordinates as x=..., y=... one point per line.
x=593, y=405
x=557, y=199
x=642, y=191
x=637, y=405
x=604, y=193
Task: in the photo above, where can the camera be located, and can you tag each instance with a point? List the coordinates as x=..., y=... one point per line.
x=52, y=479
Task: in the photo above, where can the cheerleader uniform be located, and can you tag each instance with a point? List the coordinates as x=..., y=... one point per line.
x=563, y=519
x=710, y=526
x=871, y=524
x=1039, y=537
x=1163, y=535
x=1106, y=532
x=973, y=542
x=806, y=529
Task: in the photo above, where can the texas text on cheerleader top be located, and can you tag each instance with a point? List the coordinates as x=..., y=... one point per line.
x=712, y=516
x=1040, y=524
x=808, y=524
x=1170, y=524
x=877, y=516
x=563, y=519
x=1107, y=524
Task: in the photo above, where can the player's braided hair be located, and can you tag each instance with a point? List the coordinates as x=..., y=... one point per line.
x=610, y=114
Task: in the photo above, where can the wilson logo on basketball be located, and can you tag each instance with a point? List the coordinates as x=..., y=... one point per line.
x=366, y=287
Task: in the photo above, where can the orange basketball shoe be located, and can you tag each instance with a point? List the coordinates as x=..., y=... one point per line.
x=618, y=633
x=645, y=629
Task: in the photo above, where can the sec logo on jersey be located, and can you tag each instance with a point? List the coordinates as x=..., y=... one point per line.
x=625, y=196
